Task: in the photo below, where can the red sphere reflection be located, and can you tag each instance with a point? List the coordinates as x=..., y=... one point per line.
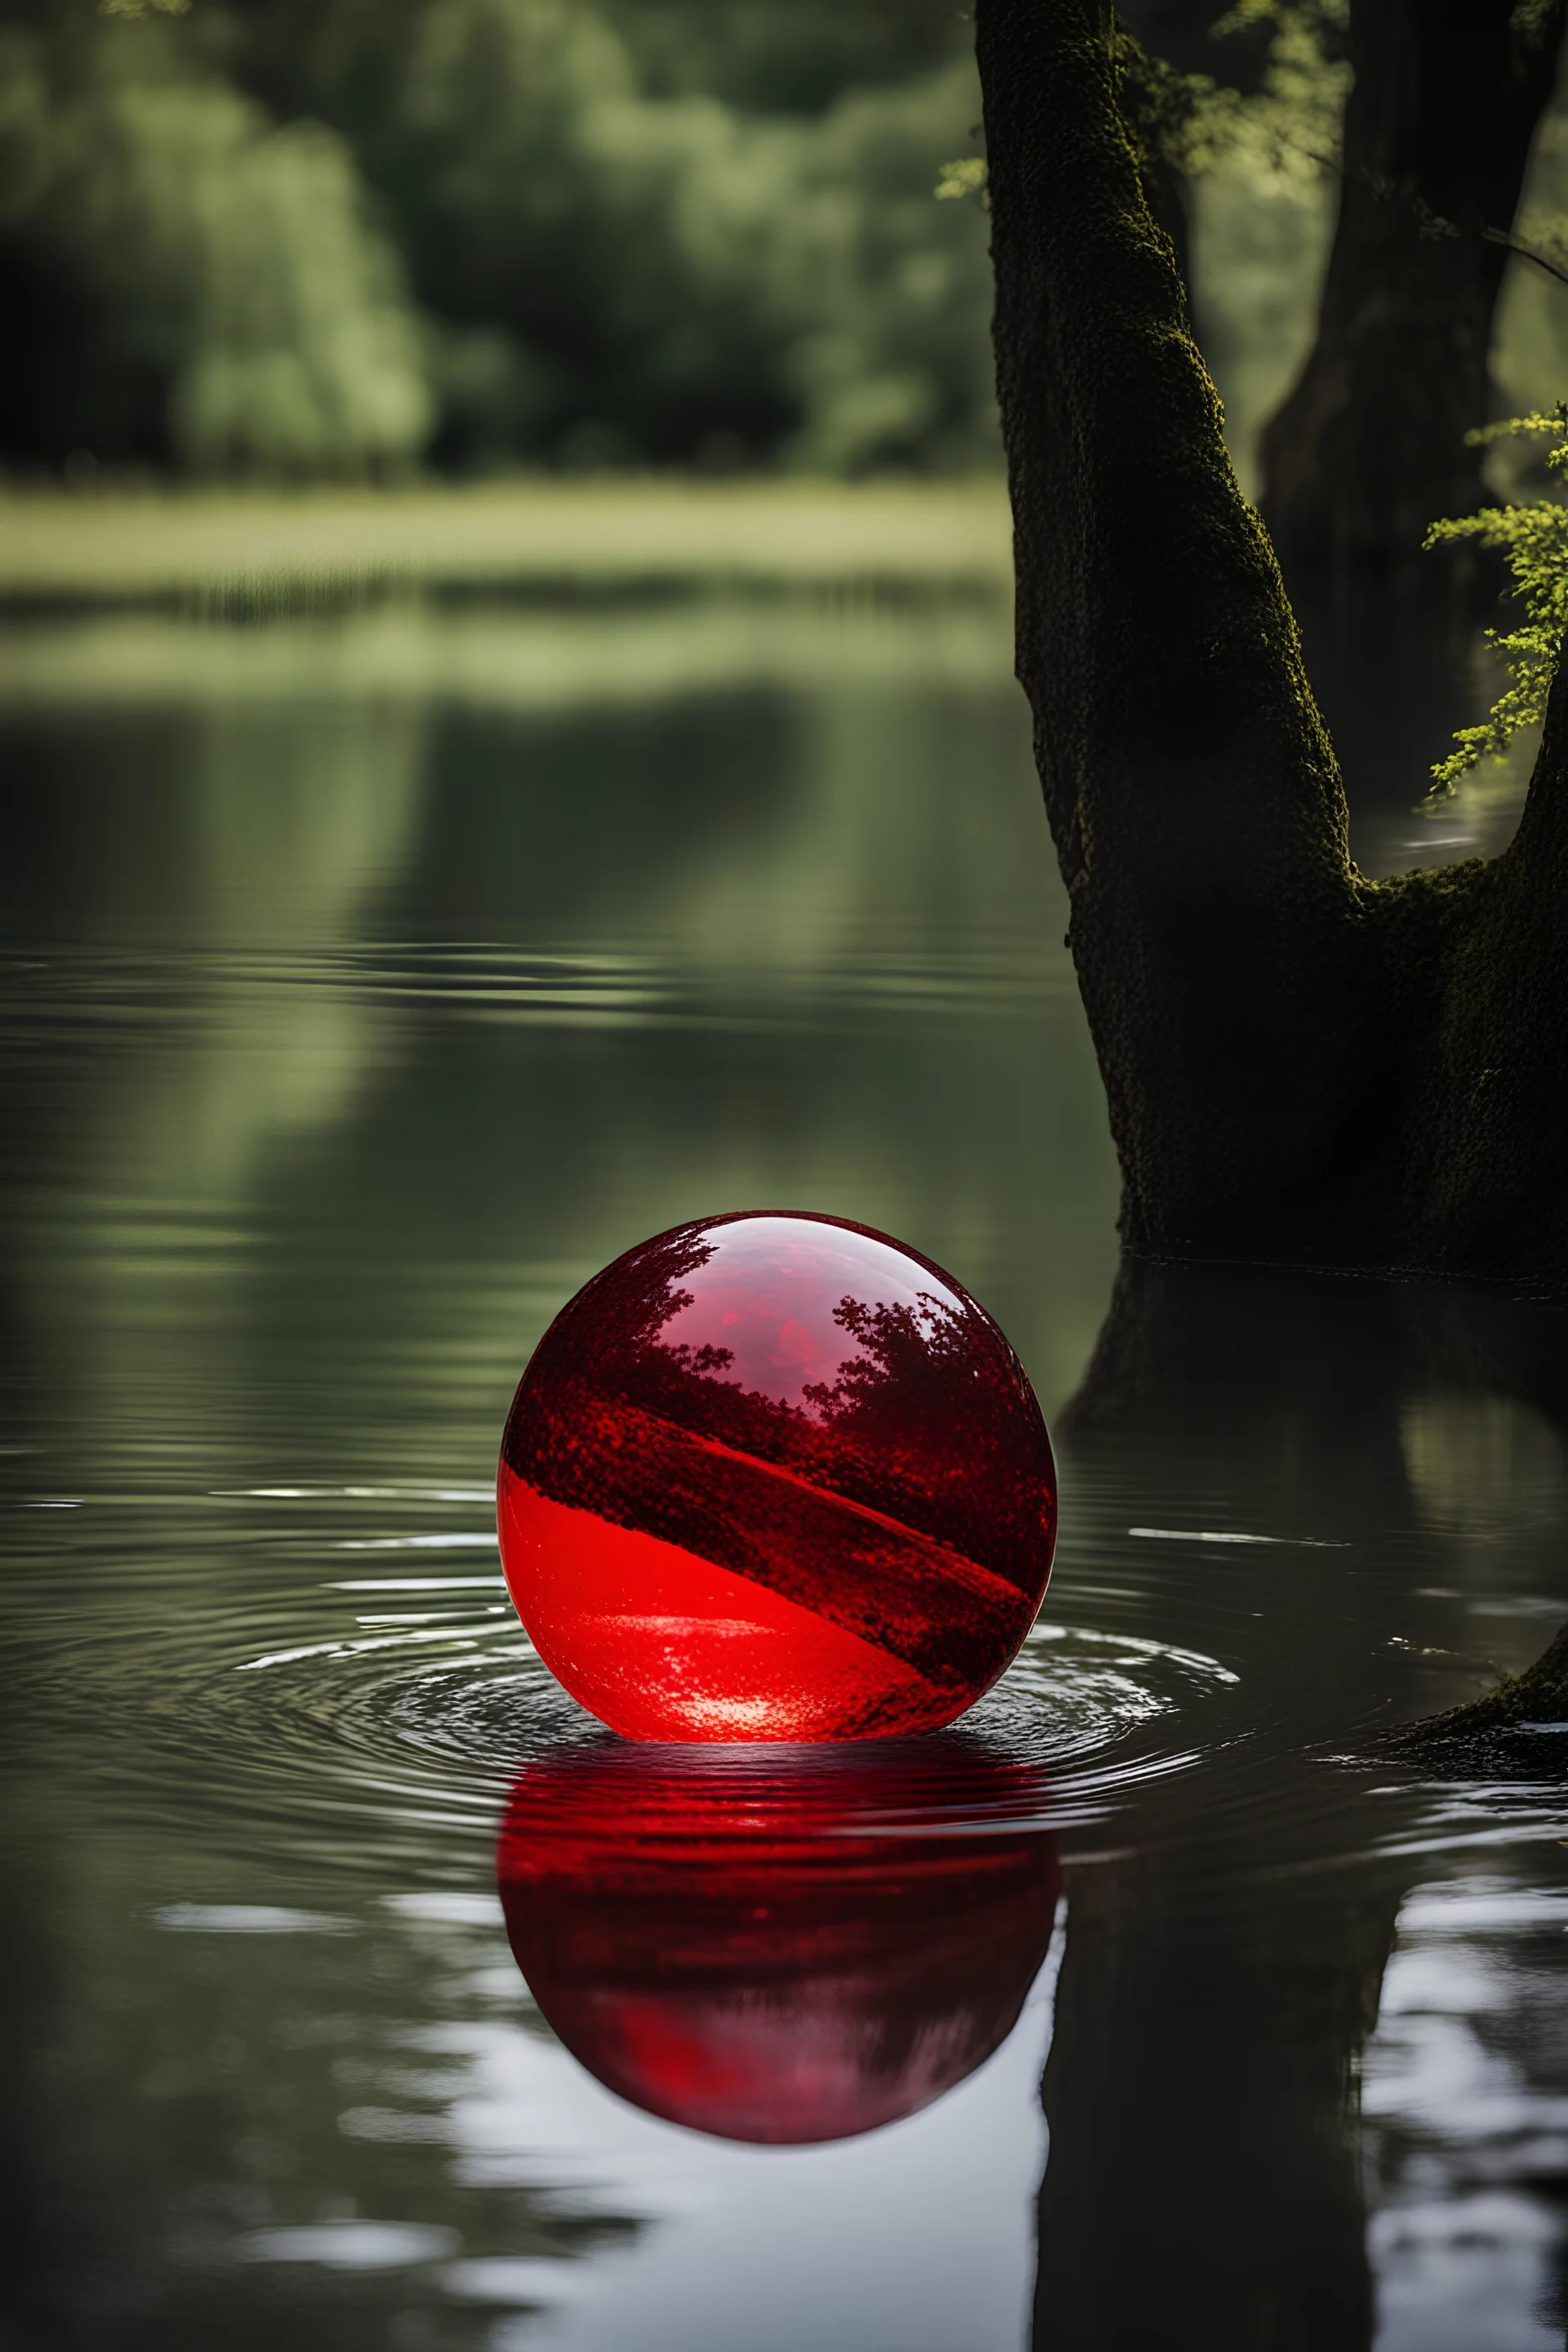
x=775, y=1477
x=784, y=1952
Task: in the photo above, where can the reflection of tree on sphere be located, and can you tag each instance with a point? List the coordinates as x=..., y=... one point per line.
x=775, y=1476
x=783, y=1948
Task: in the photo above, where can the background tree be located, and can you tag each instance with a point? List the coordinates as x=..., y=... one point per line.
x=252, y=237
x=182, y=276
x=1370, y=443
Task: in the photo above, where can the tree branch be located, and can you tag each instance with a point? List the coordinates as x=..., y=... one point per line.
x=1526, y=252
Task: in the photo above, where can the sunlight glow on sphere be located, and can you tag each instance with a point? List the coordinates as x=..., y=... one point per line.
x=775, y=1476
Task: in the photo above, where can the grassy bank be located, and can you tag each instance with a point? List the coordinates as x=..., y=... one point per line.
x=259, y=552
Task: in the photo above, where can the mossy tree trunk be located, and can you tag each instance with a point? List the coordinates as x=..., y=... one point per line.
x=1369, y=446
x=1300, y=1063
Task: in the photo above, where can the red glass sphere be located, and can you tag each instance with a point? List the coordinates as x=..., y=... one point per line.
x=774, y=1477
x=785, y=1953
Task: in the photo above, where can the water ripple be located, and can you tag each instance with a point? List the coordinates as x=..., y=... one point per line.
x=416, y=1697
x=276, y=1697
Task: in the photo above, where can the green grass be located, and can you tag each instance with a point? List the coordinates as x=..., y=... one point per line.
x=256, y=553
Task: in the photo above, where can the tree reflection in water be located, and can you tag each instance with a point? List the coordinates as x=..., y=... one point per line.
x=1205, y=2184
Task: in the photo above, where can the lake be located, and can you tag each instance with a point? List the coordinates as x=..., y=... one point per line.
x=372, y=979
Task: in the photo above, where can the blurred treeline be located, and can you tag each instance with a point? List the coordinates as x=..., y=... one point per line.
x=288, y=238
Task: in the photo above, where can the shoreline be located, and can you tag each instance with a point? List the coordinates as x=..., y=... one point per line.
x=257, y=552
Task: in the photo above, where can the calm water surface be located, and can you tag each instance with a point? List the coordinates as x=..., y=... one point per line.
x=369, y=982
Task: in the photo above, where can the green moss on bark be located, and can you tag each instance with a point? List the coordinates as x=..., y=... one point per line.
x=1508, y=1733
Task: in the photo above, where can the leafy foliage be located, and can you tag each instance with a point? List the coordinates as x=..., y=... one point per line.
x=966, y=177
x=1533, y=538
x=183, y=274
x=287, y=237
x=1284, y=131
x=658, y=275
x=786, y=56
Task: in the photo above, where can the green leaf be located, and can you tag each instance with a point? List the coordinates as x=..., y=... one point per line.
x=1533, y=539
x=967, y=177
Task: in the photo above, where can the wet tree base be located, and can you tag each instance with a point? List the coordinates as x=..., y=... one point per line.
x=1517, y=1732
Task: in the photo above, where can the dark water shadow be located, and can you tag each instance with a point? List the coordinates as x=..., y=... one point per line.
x=1205, y=2183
